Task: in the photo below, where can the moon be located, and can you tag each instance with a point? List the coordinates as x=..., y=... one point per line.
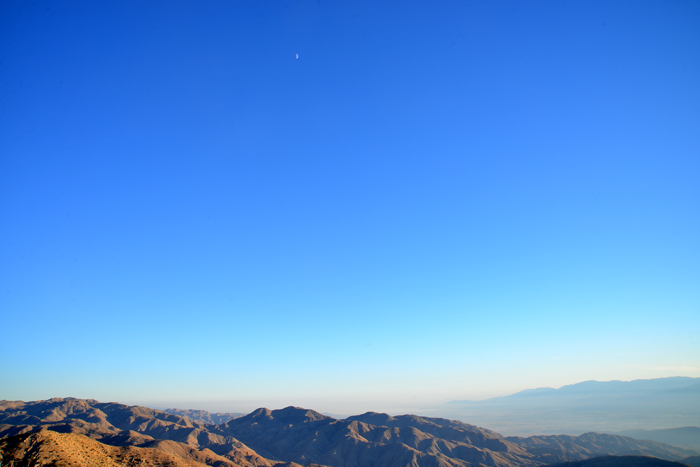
x=297, y=55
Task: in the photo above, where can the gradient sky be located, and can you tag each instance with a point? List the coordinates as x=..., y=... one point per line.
x=433, y=202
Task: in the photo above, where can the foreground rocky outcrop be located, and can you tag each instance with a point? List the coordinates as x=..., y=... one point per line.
x=267, y=438
x=121, y=425
x=47, y=447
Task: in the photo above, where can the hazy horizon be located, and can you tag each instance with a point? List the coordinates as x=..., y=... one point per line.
x=342, y=409
x=349, y=207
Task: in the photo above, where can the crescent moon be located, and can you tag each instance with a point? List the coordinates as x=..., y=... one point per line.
x=297, y=55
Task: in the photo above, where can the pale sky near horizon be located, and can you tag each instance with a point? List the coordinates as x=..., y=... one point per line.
x=432, y=202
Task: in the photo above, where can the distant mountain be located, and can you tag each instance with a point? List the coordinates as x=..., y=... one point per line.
x=614, y=393
x=202, y=416
x=687, y=437
x=611, y=406
x=290, y=436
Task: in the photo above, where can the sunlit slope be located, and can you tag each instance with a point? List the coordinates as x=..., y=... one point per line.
x=64, y=449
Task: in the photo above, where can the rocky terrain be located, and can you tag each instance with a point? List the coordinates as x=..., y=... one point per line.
x=129, y=435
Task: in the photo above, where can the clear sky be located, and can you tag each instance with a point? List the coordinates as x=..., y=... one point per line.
x=434, y=201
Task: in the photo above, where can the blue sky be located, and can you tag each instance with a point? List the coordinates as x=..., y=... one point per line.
x=433, y=202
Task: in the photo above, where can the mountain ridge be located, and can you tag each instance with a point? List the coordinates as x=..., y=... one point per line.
x=299, y=436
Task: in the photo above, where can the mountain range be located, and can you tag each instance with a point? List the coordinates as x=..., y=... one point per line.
x=64, y=431
x=607, y=407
